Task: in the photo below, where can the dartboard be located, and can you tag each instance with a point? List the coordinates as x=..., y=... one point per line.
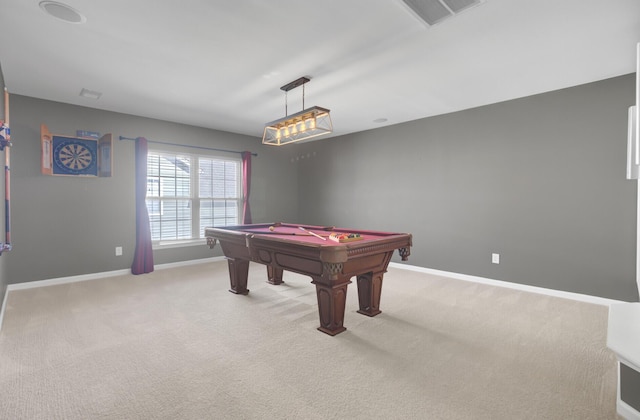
x=73, y=156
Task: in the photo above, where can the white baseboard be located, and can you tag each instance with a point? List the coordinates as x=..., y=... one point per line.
x=64, y=280
x=465, y=277
x=96, y=276
x=626, y=411
x=4, y=305
x=523, y=287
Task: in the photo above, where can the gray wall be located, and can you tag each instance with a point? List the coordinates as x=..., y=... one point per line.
x=66, y=226
x=4, y=279
x=539, y=180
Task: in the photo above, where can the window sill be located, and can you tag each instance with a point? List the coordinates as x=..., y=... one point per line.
x=179, y=244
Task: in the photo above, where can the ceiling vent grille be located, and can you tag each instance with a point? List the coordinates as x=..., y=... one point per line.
x=435, y=11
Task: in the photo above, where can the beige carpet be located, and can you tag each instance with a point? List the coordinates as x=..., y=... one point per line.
x=175, y=344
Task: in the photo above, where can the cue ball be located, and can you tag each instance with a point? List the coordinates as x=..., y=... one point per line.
x=271, y=228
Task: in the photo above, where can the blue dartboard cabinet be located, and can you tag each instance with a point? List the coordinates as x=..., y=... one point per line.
x=75, y=156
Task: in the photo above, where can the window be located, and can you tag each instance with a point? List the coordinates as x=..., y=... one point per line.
x=186, y=193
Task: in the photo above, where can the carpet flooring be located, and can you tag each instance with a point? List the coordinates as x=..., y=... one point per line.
x=175, y=344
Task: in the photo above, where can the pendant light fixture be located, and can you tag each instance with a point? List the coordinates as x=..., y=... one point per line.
x=303, y=125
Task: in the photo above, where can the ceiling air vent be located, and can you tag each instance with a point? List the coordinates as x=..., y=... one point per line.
x=435, y=11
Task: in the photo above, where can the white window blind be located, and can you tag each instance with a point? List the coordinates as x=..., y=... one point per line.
x=186, y=193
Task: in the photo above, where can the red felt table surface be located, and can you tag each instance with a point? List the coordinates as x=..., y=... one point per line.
x=293, y=232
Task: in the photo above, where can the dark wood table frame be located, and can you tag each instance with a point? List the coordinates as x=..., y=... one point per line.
x=330, y=266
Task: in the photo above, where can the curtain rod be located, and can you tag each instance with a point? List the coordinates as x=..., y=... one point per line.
x=188, y=145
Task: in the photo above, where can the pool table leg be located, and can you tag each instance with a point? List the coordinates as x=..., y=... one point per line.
x=331, y=303
x=369, y=289
x=274, y=275
x=238, y=273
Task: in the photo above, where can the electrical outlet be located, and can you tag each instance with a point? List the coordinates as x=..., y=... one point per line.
x=495, y=258
x=118, y=251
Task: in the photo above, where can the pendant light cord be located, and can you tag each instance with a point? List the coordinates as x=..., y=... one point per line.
x=286, y=89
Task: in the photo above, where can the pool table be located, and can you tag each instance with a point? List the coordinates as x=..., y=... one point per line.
x=308, y=250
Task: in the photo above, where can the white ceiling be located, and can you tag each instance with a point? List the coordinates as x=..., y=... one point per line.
x=220, y=63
